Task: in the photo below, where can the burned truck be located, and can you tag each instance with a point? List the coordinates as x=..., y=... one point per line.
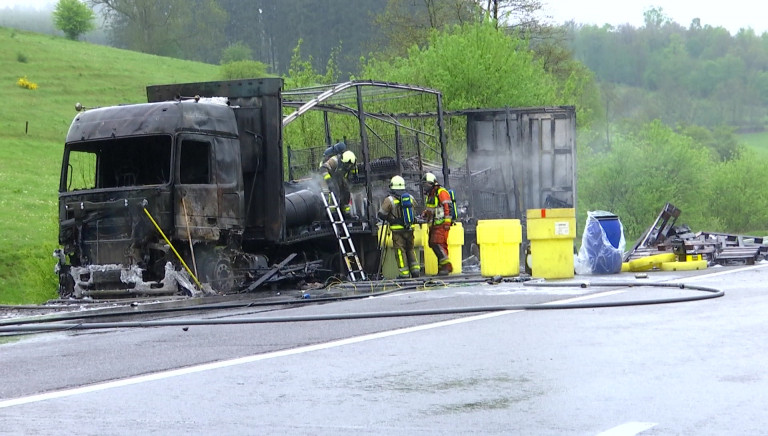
x=193, y=191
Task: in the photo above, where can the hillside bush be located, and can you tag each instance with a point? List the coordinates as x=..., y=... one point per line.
x=739, y=198
x=644, y=170
x=243, y=70
x=74, y=18
x=238, y=51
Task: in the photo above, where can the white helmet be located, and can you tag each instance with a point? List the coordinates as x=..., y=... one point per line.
x=430, y=179
x=397, y=183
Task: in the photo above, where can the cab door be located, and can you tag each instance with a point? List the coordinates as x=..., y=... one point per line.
x=196, y=190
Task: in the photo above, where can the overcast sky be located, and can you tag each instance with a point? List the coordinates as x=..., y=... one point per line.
x=34, y=4
x=730, y=14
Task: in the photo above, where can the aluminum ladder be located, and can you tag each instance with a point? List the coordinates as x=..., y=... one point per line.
x=347, y=247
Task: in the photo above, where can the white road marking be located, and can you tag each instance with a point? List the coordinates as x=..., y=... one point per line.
x=239, y=361
x=255, y=358
x=628, y=429
x=585, y=297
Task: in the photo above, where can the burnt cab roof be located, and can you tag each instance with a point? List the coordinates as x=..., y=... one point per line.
x=152, y=119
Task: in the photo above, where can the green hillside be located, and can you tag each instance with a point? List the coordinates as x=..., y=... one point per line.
x=33, y=125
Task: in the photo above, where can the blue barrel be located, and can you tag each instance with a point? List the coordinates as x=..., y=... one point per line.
x=612, y=228
x=601, y=258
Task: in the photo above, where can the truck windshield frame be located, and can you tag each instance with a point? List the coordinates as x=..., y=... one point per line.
x=121, y=163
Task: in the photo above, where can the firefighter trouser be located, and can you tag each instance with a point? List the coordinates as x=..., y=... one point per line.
x=407, y=262
x=340, y=189
x=438, y=242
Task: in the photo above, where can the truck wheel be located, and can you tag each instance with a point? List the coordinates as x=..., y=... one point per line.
x=215, y=268
x=222, y=278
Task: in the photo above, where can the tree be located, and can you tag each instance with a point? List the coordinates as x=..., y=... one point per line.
x=645, y=169
x=236, y=52
x=476, y=65
x=405, y=23
x=188, y=29
x=73, y=18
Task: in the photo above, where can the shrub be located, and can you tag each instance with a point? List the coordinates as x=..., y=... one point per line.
x=24, y=83
x=643, y=171
x=243, y=70
x=21, y=57
x=236, y=52
x=739, y=198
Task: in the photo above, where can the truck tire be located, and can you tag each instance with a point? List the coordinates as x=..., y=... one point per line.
x=215, y=268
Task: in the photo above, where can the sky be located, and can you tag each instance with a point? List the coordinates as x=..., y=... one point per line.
x=730, y=14
x=27, y=4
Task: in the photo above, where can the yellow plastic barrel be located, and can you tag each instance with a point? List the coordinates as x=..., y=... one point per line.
x=419, y=235
x=551, y=233
x=455, y=244
x=389, y=269
x=499, y=242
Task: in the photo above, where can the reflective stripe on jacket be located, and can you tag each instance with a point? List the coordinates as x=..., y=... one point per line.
x=440, y=204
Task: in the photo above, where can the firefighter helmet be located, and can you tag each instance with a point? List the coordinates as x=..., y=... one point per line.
x=429, y=179
x=348, y=157
x=397, y=183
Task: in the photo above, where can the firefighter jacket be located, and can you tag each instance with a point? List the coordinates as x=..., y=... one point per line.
x=392, y=212
x=439, y=205
x=335, y=169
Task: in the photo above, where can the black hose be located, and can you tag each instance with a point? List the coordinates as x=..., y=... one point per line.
x=707, y=294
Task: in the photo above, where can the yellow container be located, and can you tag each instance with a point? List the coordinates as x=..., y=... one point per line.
x=389, y=267
x=455, y=243
x=551, y=233
x=421, y=235
x=499, y=242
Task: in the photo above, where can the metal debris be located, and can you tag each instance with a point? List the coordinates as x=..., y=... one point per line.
x=716, y=248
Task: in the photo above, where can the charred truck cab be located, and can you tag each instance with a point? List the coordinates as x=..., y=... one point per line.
x=191, y=185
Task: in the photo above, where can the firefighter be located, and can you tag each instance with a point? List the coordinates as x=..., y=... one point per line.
x=397, y=210
x=438, y=214
x=336, y=174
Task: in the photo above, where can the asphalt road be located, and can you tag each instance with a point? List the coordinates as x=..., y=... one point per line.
x=687, y=368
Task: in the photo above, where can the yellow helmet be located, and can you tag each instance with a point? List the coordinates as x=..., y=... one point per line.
x=397, y=183
x=348, y=157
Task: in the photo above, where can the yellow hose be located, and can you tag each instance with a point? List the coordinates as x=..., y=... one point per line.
x=174, y=249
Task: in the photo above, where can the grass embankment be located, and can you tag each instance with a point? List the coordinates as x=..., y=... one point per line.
x=33, y=126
